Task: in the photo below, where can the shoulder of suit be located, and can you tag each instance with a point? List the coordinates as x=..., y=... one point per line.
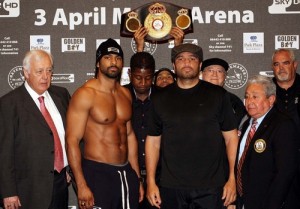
x=59, y=91
x=13, y=94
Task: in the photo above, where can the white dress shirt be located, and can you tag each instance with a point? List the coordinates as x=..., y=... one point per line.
x=55, y=115
x=243, y=141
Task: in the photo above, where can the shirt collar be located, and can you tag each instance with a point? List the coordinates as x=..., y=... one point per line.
x=32, y=93
x=260, y=119
x=136, y=98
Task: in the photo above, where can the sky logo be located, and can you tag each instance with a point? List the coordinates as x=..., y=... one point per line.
x=9, y=8
x=285, y=7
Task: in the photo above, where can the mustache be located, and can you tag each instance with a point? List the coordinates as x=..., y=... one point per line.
x=188, y=67
x=282, y=71
x=113, y=66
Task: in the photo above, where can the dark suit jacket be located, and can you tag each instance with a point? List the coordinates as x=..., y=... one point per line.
x=267, y=176
x=27, y=147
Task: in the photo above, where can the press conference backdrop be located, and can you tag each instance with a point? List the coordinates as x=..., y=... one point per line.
x=245, y=33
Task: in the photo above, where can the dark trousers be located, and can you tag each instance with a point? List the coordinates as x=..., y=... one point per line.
x=146, y=205
x=239, y=202
x=191, y=198
x=292, y=200
x=113, y=186
x=60, y=191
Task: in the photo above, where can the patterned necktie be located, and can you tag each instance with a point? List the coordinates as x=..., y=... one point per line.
x=58, y=152
x=241, y=161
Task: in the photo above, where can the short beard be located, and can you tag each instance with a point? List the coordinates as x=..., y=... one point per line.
x=184, y=76
x=282, y=78
x=113, y=75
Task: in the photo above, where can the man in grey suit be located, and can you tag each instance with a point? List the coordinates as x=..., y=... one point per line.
x=32, y=138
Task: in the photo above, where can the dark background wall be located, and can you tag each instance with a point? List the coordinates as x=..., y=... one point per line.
x=245, y=33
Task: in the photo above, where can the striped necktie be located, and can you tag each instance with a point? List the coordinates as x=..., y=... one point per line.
x=241, y=161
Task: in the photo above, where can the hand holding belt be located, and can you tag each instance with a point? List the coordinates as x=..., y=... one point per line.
x=158, y=18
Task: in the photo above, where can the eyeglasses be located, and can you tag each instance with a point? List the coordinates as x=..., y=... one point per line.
x=212, y=71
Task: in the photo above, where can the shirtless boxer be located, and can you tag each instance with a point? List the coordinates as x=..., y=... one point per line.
x=99, y=114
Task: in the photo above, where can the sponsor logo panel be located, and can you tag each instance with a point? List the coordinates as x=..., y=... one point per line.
x=287, y=41
x=9, y=8
x=40, y=42
x=63, y=78
x=186, y=40
x=285, y=7
x=237, y=76
x=267, y=73
x=253, y=42
x=15, y=77
x=73, y=44
x=125, y=77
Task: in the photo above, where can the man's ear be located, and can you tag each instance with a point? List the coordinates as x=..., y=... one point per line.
x=25, y=73
x=173, y=65
x=295, y=64
x=272, y=99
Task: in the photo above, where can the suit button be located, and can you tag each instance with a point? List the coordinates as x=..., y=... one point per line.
x=51, y=171
x=52, y=152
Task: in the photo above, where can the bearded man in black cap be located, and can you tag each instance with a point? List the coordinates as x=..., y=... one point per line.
x=99, y=114
x=188, y=122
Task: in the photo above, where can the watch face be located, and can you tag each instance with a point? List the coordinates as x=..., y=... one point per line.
x=141, y=179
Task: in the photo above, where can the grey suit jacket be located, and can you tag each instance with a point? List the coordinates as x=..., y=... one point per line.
x=27, y=147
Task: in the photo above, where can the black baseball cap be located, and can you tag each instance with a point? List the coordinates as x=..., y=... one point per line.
x=187, y=47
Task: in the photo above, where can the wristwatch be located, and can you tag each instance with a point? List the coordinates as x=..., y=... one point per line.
x=141, y=180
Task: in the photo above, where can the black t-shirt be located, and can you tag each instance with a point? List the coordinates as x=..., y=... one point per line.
x=288, y=101
x=238, y=108
x=190, y=122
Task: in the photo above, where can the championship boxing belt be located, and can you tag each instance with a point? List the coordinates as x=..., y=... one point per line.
x=158, y=18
